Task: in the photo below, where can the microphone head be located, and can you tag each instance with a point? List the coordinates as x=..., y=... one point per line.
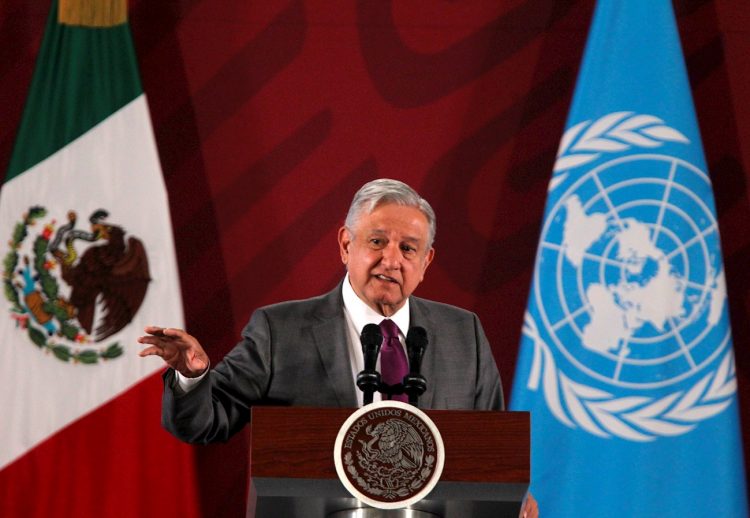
x=416, y=336
x=371, y=339
x=371, y=336
x=416, y=343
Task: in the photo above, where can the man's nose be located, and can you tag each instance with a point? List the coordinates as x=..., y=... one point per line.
x=391, y=256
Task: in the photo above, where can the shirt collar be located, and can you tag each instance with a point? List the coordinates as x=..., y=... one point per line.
x=362, y=314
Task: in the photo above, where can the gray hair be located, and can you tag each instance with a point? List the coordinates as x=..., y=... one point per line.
x=384, y=190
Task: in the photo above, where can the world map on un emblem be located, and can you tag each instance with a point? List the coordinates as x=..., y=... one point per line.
x=630, y=287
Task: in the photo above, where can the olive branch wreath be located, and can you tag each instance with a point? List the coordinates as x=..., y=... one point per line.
x=390, y=493
x=635, y=418
x=615, y=132
x=50, y=288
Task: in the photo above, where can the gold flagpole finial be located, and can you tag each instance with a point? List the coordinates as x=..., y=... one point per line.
x=92, y=13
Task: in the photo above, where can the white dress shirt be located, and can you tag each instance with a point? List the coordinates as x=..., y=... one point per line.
x=358, y=315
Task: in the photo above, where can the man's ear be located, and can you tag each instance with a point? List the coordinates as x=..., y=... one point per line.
x=345, y=239
x=428, y=259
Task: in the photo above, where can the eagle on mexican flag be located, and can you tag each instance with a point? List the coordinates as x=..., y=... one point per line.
x=88, y=260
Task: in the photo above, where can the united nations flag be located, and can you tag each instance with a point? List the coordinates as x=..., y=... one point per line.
x=626, y=358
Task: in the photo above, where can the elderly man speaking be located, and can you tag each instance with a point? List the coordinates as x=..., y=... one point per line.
x=307, y=352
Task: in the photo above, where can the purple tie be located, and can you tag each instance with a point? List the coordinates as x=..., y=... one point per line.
x=393, y=364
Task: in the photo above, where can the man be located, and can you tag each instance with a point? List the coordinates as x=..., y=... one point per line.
x=308, y=353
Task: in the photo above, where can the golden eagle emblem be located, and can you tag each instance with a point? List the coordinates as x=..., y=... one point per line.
x=105, y=278
x=394, y=443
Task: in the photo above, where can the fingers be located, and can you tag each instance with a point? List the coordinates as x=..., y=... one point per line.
x=151, y=351
x=162, y=336
x=158, y=341
x=171, y=332
x=176, y=347
x=154, y=330
x=530, y=508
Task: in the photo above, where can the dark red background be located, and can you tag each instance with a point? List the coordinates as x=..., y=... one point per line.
x=270, y=114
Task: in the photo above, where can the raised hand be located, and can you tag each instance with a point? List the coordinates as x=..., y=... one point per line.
x=177, y=348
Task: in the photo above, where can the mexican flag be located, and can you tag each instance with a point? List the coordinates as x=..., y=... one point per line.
x=88, y=260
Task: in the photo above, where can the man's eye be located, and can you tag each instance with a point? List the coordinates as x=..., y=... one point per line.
x=408, y=249
x=376, y=242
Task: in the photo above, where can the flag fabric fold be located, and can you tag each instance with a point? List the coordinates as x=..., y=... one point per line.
x=88, y=261
x=626, y=359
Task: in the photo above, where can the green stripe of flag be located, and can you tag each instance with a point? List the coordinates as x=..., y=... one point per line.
x=69, y=92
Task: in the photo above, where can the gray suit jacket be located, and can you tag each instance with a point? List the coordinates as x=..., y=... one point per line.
x=295, y=353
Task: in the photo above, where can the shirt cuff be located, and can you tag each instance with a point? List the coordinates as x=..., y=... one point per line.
x=186, y=384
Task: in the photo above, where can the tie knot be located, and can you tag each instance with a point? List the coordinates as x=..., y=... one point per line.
x=389, y=328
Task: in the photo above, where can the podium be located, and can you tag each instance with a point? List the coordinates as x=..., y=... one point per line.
x=292, y=471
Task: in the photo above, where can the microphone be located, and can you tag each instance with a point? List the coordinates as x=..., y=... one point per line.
x=368, y=380
x=414, y=383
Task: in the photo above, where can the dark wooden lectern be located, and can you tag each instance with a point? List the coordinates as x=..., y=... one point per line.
x=292, y=473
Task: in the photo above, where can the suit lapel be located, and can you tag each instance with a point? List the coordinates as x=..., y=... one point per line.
x=420, y=316
x=330, y=338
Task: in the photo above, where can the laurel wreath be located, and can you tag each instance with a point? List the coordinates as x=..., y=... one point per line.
x=50, y=287
x=636, y=418
x=614, y=132
x=369, y=483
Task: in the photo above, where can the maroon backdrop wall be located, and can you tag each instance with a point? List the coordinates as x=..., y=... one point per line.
x=270, y=114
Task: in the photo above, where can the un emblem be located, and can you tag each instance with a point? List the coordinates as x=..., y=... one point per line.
x=629, y=297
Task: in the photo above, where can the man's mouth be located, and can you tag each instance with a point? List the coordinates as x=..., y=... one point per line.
x=386, y=278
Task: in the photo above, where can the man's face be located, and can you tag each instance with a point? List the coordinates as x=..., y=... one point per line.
x=386, y=255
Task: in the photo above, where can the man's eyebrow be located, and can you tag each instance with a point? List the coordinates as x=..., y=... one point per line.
x=382, y=232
